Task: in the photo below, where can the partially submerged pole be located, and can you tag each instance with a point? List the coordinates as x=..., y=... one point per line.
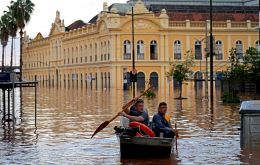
x=13, y=86
x=133, y=52
x=206, y=73
x=211, y=54
x=35, y=100
x=8, y=105
x=3, y=90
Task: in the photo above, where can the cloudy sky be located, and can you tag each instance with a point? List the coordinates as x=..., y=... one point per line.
x=44, y=15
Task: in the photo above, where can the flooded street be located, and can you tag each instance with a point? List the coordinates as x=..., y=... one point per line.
x=67, y=118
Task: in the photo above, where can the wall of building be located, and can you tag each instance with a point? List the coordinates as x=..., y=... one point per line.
x=92, y=56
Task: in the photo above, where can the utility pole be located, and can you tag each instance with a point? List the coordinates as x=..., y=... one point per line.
x=207, y=50
x=259, y=24
x=211, y=54
x=133, y=53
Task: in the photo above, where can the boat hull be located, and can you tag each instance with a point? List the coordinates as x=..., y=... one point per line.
x=132, y=147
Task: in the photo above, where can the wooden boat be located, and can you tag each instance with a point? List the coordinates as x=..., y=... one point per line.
x=132, y=146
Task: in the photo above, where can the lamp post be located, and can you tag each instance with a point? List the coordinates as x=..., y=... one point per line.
x=259, y=23
x=211, y=54
x=206, y=73
x=134, y=73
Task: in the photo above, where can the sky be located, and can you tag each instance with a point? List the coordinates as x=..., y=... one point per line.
x=44, y=15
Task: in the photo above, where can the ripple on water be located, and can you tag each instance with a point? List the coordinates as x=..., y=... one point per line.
x=67, y=118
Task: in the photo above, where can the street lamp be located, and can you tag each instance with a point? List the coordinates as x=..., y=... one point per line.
x=133, y=49
x=133, y=73
x=211, y=55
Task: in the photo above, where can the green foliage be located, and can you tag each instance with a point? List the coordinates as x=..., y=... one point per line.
x=230, y=97
x=180, y=70
x=18, y=14
x=4, y=32
x=241, y=71
x=22, y=10
x=246, y=69
x=11, y=22
x=252, y=63
x=150, y=94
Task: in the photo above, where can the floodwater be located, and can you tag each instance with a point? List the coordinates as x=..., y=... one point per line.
x=66, y=118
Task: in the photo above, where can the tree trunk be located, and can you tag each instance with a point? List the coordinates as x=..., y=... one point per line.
x=180, y=96
x=12, y=53
x=3, y=58
x=21, y=55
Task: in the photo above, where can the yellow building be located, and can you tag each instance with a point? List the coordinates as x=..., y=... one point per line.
x=98, y=54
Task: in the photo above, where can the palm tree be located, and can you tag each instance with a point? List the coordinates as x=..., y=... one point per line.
x=11, y=24
x=22, y=12
x=4, y=34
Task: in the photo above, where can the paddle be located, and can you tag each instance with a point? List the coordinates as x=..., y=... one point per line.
x=127, y=105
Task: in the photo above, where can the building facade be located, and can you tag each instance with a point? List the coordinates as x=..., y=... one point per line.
x=199, y=2
x=98, y=54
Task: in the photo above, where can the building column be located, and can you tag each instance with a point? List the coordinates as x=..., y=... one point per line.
x=167, y=53
x=99, y=80
x=113, y=48
x=118, y=54
x=118, y=77
x=167, y=83
x=162, y=78
x=228, y=46
x=248, y=41
x=113, y=81
x=162, y=46
x=187, y=43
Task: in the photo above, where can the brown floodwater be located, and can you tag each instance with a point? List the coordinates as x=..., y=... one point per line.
x=67, y=118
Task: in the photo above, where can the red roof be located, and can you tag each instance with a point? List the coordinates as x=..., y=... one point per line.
x=75, y=25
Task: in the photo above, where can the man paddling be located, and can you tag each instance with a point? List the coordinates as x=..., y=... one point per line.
x=137, y=113
x=161, y=123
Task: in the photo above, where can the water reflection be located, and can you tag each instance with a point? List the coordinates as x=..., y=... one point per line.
x=68, y=117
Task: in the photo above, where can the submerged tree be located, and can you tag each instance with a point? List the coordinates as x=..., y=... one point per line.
x=179, y=71
x=252, y=63
x=241, y=71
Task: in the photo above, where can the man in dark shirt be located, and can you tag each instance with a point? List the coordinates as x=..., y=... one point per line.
x=161, y=122
x=137, y=113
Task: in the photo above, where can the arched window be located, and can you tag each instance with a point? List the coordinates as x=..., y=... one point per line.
x=140, y=50
x=198, y=50
x=239, y=49
x=257, y=43
x=102, y=48
x=154, y=79
x=177, y=50
x=127, y=50
x=140, y=84
x=86, y=53
x=96, y=49
x=76, y=54
x=91, y=53
x=219, y=51
x=101, y=51
x=153, y=50
x=105, y=51
x=108, y=50
x=81, y=54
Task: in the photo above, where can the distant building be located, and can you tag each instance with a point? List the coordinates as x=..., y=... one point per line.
x=199, y=2
x=98, y=54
